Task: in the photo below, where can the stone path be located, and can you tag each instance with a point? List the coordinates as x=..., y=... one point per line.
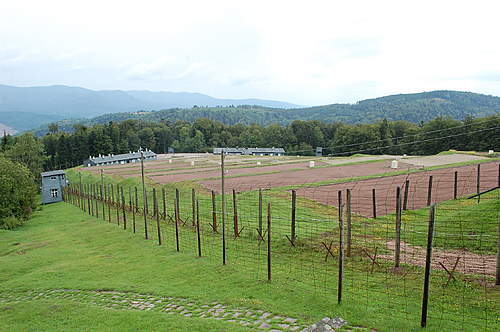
x=250, y=317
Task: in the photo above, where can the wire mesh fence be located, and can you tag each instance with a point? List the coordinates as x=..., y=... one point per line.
x=379, y=243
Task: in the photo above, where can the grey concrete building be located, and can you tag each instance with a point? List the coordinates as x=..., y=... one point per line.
x=112, y=159
x=53, y=183
x=251, y=151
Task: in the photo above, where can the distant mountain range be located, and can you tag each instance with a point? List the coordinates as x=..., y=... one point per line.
x=27, y=108
x=24, y=108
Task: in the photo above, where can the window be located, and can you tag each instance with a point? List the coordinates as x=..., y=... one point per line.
x=54, y=192
x=52, y=177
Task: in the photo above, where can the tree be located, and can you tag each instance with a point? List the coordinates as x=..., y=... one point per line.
x=17, y=193
x=29, y=151
x=53, y=128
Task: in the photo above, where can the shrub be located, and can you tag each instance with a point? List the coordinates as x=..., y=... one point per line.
x=17, y=193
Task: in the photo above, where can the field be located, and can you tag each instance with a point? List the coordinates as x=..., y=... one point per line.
x=97, y=266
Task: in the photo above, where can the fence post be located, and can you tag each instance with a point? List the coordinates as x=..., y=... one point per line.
x=405, y=198
x=429, y=192
x=269, y=265
x=164, y=203
x=144, y=197
x=136, y=205
x=88, y=200
x=198, y=227
x=498, y=256
x=118, y=204
x=428, y=259
x=455, y=186
x=349, y=221
x=108, y=201
x=294, y=213
x=123, y=210
x=193, y=207
x=214, y=213
x=374, y=204
x=260, y=211
x=235, y=215
x=341, y=254
x=397, y=252
x=157, y=216
x=223, y=208
x=478, y=182
x=177, y=217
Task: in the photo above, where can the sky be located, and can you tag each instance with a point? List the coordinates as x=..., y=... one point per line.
x=304, y=52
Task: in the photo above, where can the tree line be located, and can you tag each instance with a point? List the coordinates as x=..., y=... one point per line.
x=299, y=137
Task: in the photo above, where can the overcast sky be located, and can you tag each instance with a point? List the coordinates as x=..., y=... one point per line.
x=304, y=52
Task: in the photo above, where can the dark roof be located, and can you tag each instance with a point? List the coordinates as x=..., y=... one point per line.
x=124, y=156
x=52, y=173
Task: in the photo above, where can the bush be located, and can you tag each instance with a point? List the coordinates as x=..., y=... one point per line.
x=17, y=193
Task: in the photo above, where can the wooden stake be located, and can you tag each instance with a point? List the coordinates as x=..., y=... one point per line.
x=177, y=218
x=455, y=186
x=428, y=260
x=164, y=203
x=341, y=254
x=118, y=204
x=405, y=198
x=214, y=213
x=349, y=224
x=157, y=216
x=260, y=211
x=193, y=206
x=397, y=252
x=429, y=192
x=478, y=181
x=269, y=265
x=294, y=211
x=123, y=210
x=223, y=208
x=374, y=204
x=108, y=201
x=235, y=215
x=198, y=227
x=136, y=205
x=144, y=197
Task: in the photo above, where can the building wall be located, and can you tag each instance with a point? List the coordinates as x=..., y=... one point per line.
x=49, y=183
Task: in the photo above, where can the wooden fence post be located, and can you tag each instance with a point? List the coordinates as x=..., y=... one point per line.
x=118, y=204
x=405, y=196
x=349, y=221
x=269, y=265
x=478, y=183
x=498, y=256
x=123, y=210
x=177, y=217
x=397, y=252
x=108, y=201
x=136, y=205
x=429, y=192
x=164, y=203
x=214, y=213
x=88, y=200
x=260, y=211
x=157, y=216
x=341, y=255
x=198, y=227
x=455, y=186
x=374, y=204
x=235, y=215
x=428, y=260
x=294, y=216
x=144, y=211
x=193, y=207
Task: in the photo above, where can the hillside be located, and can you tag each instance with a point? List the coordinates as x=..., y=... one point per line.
x=415, y=108
x=51, y=103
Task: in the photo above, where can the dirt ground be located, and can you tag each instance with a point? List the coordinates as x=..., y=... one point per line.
x=302, y=176
x=438, y=160
x=469, y=263
x=385, y=188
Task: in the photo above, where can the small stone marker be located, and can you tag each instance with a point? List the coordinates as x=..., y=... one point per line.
x=394, y=164
x=258, y=163
x=311, y=164
x=192, y=163
x=490, y=152
x=170, y=161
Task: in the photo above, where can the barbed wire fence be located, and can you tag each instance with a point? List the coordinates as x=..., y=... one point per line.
x=420, y=244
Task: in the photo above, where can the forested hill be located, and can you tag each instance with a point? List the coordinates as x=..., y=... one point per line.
x=415, y=108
